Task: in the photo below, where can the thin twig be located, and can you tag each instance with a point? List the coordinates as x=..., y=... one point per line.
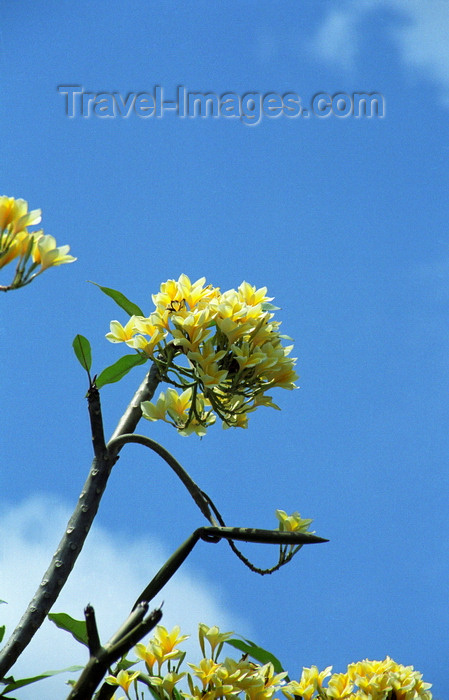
x=214, y=534
x=194, y=490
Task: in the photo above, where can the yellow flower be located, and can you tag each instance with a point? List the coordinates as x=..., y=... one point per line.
x=16, y=247
x=376, y=679
x=310, y=681
x=252, y=296
x=292, y=523
x=168, y=682
x=195, y=293
x=191, y=329
x=48, y=255
x=223, y=350
x=156, y=411
x=14, y=215
x=122, y=334
x=177, y=295
x=178, y=405
x=146, y=653
x=339, y=686
x=213, y=636
x=168, y=641
x=30, y=249
x=123, y=679
x=206, y=670
x=268, y=684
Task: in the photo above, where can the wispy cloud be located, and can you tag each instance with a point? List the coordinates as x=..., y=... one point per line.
x=109, y=574
x=420, y=36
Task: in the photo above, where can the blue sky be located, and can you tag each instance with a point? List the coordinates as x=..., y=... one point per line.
x=343, y=219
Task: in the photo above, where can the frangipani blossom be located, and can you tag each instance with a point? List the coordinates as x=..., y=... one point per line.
x=33, y=251
x=209, y=678
x=222, y=350
x=14, y=215
x=123, y=679
x=47, y=254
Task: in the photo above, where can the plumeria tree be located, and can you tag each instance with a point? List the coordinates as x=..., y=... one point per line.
x=213, y=355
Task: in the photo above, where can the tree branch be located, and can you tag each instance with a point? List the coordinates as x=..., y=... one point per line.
x=198, y=496
x=80, y=523
x=213, y=535
x=131, y=632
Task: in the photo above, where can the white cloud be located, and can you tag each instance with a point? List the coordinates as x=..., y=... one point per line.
x=420, y=36
x=337, y=38
x=109, y=574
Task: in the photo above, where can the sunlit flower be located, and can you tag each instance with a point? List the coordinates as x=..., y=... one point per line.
x=269, y=683
x=213, y=636
x=14, y=215
x=146, y=653
x=33, y=251
x=205, y=671
x=17, y=247
x=123, y=679
x=155, y=411
x=168, y=641
x=311, y=680
x=251, y=295
x=339, y=686
x=168, y=682
x=122, y=334
x=223, y=351
x=47, y=254
x=292, y=523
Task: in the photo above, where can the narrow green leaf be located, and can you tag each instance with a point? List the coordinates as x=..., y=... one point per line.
x=261, y=655
x=2, y=632
x=26, y=681
x=115, y=372
x=266, y=306
x=77, y=628
x=120, y=299
x=83, y=352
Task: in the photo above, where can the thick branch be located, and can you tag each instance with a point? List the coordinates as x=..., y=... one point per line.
x=129, y=634
x=133, y=414
x=80, y=523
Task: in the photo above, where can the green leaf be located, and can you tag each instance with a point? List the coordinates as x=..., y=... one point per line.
x=120, y=299
x=261, y=655
x=125, y=664
x=2, y=632
x=266, y=306
x=83, y=352
x=26, y=681
x=77, y=628
x=115, y=372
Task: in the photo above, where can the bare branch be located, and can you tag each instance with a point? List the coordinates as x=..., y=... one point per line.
x=122, y=641
x=80, y=523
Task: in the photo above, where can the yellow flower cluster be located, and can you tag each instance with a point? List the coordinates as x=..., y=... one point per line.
x=33, y=251
x=364, y=680
x=162, y=648
x=211, y=679
x=223, y=350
